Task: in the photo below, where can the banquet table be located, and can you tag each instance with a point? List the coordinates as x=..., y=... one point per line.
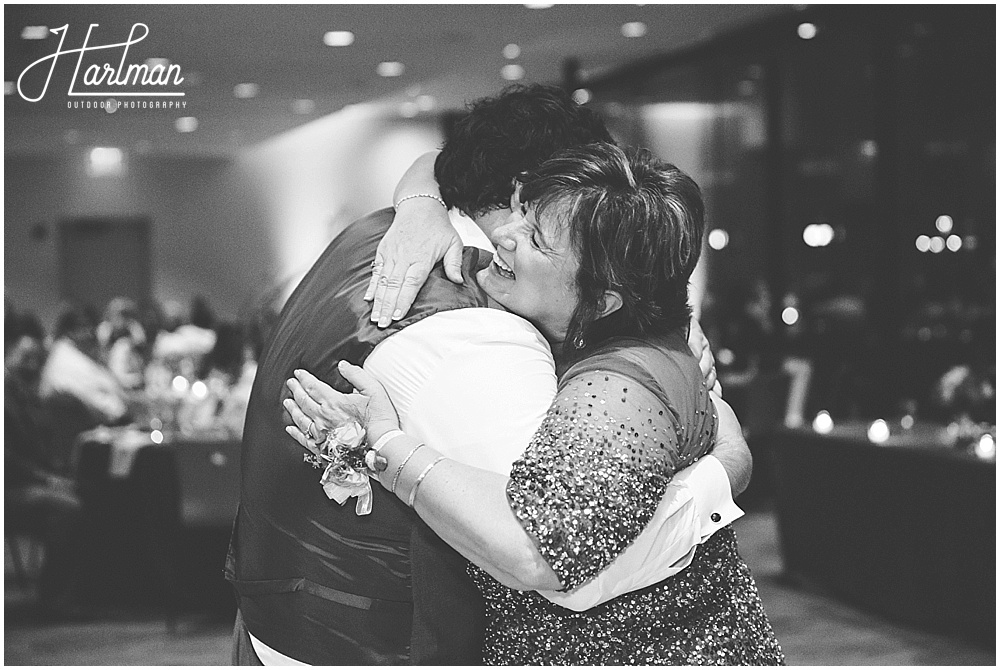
x=905, y=528
x=158, y=509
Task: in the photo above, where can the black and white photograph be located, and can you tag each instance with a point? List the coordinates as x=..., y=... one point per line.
x=520, y=334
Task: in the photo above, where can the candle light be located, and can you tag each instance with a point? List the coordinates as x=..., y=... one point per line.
x=823, y=423
x=878, y=432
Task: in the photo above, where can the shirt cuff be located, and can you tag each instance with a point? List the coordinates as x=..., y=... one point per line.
x=713, y=497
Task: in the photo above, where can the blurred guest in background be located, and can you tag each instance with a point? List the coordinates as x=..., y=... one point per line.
x=38, y=500
x=78, y=389
x=122, y=340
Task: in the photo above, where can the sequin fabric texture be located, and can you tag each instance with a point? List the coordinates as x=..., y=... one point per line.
x=586, y=487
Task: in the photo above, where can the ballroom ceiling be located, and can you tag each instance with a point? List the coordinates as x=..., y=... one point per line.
x=449, y=53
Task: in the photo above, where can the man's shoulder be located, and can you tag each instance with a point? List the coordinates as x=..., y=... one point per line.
x=478, y=324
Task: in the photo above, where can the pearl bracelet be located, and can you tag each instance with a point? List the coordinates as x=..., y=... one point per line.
x=420, y=195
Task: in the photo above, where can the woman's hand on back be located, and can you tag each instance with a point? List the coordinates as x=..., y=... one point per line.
x=421, y=235
x=317, y=405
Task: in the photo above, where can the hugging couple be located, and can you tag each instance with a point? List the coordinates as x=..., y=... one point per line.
x=554, y=466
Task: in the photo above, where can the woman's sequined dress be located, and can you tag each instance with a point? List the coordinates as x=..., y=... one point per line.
x=620, y=427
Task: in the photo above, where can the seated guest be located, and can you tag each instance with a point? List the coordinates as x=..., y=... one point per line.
x=72, y=371
x=38, y=501
x=122, y=340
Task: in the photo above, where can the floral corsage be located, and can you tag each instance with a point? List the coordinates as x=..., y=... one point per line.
x=348, y=463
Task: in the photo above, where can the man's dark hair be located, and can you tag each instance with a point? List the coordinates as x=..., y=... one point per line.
x=506, y=135
x=637, y=225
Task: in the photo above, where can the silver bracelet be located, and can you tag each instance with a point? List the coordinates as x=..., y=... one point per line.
x=420, y=195
x=420, y=478
x=399, y=470
x=382, y=441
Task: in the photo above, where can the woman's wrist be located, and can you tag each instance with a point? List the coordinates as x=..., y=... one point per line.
x=407, y=459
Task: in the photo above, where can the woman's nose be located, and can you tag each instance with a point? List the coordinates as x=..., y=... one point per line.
x=506, y=236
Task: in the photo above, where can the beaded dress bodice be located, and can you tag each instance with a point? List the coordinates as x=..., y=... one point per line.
x=585, y=488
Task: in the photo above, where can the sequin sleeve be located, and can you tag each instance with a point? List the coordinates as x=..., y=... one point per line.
x=596, y=469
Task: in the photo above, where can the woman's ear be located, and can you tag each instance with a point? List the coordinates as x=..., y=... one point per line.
x=610, y=302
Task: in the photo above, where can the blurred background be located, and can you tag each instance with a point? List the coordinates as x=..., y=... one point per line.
x=848, y=284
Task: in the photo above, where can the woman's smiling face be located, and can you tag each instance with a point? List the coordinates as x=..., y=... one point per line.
x=533, y=273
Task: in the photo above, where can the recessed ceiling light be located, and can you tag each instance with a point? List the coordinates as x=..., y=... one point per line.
x=246, y=90
x=105, y=161
x=511, y=51
x=390, y=68
x=186, y=124
x=34, y=33
x=338, y=38
x=807, y=31
x=153, y=62
x=9, y=87
x=512, y=72
x=634, y=29
x=582, y=96
x=303, y=106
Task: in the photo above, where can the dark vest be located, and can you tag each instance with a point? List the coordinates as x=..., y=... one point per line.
x=314, y=580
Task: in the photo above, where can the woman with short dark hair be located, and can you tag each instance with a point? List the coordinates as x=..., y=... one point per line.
x=597, y=255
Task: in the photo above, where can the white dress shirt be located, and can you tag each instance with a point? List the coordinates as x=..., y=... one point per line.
x=68, y=370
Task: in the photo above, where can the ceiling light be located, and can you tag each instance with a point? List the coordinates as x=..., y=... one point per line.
x=338, y=38
x=34, y=33
x=390, y=68
x=154, y=62
x=9, y=87
x=539, y=5
x=303, y=106
x=634, y=29
x=186, y=124
x=105, y=161
x=582, y=96
x=807, y=31
x=954, y=243
x=512, y=72
x=245, y=91
x=511, y=51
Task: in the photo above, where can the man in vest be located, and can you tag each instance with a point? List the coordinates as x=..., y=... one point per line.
x=317, y=583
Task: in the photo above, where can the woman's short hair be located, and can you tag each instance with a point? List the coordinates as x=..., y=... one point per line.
x=637, y=224
x=505, y=135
